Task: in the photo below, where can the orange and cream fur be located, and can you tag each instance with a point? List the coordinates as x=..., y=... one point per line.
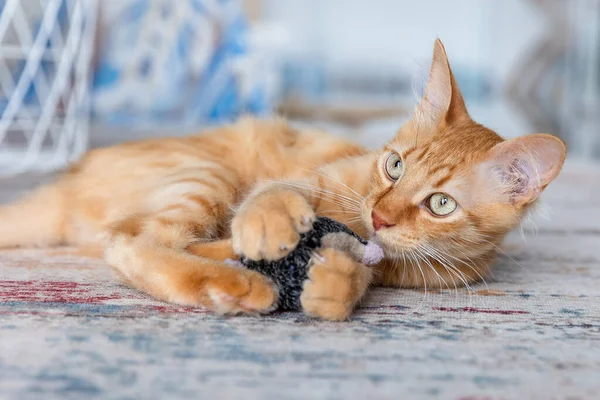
x=439, y=198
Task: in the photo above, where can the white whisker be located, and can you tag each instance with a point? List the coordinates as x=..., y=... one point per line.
x=333, y=197
x=426, y=260
x=428, y=252
x=352, y=191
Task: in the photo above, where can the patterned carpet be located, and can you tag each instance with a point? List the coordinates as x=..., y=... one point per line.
x=68, y=329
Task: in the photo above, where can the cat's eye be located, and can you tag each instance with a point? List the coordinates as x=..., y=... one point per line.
x=393, y=166
x=441, y=204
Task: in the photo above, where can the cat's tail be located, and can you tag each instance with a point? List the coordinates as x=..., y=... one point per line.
x=38, y=219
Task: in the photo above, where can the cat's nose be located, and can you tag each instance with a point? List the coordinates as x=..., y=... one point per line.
x=380, y=222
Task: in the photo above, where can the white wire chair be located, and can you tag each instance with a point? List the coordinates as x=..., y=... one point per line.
x=46, y=49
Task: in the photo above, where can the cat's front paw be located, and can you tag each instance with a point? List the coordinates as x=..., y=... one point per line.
x=334, y=286
x=268, y=226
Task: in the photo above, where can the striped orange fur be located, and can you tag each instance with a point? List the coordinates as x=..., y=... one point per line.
x=164, y=209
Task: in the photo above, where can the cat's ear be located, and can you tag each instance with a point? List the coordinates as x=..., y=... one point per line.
x=521, y=168
x=442, y=102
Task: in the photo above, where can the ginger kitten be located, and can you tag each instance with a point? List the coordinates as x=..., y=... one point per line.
x=439, y=198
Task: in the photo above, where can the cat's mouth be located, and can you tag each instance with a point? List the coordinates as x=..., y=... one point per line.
x=393, y=248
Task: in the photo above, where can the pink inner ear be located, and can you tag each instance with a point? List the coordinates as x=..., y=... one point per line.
x=525, y=165
x=438, y=92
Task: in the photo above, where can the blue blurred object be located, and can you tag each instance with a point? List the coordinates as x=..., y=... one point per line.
x=304, y=78
x=175, y=63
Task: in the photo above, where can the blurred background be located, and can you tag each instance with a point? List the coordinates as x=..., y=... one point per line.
x=76, y=74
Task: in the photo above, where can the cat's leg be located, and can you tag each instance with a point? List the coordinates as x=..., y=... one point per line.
x=218, y=250
x=335, y=285
x=156, y=251
x=168, y=272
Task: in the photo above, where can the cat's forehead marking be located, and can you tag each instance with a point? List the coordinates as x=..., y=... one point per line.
x=442, y=174
x=449, y=168
x=408, y=152
x=433, y=163
x=423, y=152
x=442, y=181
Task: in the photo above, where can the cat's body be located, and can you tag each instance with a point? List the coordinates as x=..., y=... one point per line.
x=439, y=198
x=211, y=171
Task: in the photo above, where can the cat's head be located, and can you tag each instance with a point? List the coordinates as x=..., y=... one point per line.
x=447, y=188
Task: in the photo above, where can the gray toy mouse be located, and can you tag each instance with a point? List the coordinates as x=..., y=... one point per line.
x=290, y=272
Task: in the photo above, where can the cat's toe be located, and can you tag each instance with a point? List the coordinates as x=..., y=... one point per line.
x=249, y=293
x=331, y=310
